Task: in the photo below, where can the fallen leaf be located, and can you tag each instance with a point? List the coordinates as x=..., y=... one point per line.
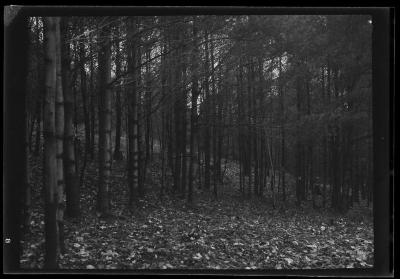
x=289, y=261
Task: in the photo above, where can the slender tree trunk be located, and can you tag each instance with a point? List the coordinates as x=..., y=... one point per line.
x=60, y=142
x=38, y=132
x=207, y=149
x=147, y=104
x=282, y=171
x=214, y=119
x=164, y=112
x=71, y=179
x=92, y=102
x=178, y=111
x=133, y=147
x=40, y=89
x=142, y=168
x=184, y=128
x=50, y=145
x=250, y=131
x=324, y=142
x=104, y=122
x=118, y=108
x=240, y=118
x=193, y=110
x=272, y=172
x=82, y=71
x=27, y=187
x=299, y=157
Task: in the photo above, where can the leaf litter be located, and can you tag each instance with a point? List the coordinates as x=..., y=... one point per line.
x=224, y=234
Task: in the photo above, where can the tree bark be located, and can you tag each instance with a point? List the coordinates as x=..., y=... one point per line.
x=206, y=104
x=83, y=89
x=50, y=146
x=193, y=110
x=71, y=178
x=104, y=122
x=92, y=101
x=60, y=142
x=118, y=107
x=133, y=150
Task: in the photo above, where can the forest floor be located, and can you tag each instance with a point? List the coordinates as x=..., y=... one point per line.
x=228, y=233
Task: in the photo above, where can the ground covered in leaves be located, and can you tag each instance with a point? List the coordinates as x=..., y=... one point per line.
x=228, y=233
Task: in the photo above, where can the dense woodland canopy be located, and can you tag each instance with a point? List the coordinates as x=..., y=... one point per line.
x=285, y=98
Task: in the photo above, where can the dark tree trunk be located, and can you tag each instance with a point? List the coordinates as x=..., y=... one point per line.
x=71, y=179
x=133, y=146
x=92, y=102
x=50, y=146
x=206, y=104
x=118, y=105
x=82, y=72
x=193, y=110
x=104, y=122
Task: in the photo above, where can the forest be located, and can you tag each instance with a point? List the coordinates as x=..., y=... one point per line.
x=198, y=142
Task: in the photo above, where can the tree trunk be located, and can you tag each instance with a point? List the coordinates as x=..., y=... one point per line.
x=27, y=200
x=148, y=127
x=60, y=141
x=184, y=123
x=50, y=146
x=16, y=61
x=206, y=104
x=104, y=122
x=299, y=160
x=193, y=110
x=133, y=147
x=71, y=179
x=282, y=169
x=39, y=102
x=92, y=101
x=82, y=71
x=118, y=108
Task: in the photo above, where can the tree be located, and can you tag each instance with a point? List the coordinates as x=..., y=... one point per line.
x=16, y=37
x=133, y=144
x=50, y=145
x=105, y=95
x=193, y=109
x=118, y=105
x=83, y=89
x=59, y=122
x=206, y=106
x=71, y=179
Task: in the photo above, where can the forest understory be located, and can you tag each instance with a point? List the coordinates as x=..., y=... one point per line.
x=168, y=233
